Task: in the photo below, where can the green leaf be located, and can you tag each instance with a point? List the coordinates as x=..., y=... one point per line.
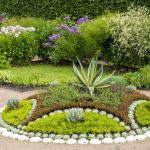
x=78, y=75
x=91, y=90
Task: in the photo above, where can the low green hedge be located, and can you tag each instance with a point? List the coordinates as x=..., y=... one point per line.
x=51, y=9
x=15, y=117
x=58, y=124
x=142, y=113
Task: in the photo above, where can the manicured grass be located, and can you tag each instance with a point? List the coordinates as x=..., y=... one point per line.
x=142, y=113
x=15, y=117
x=41, y=74
x=58, y=124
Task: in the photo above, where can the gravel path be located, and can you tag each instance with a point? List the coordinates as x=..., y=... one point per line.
x=8, y=144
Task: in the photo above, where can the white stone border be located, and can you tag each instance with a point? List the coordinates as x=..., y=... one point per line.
x=70, y=140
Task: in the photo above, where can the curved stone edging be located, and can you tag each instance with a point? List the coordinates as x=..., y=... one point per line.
x=107, y=140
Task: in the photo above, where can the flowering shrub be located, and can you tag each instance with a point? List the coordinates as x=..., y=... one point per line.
x=15, y=30
x=131, y=36
x=67, y=42
x=20, y=50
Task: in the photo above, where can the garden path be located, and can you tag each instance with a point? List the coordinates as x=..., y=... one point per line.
x=9, y=144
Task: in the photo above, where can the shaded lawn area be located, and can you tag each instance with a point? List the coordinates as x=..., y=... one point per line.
x=43, y=74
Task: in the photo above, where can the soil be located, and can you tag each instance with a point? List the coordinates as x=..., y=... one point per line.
x=8, y=144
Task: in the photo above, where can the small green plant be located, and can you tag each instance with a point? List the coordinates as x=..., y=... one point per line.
x=13, y=103
x=75, y=115
x=5, y=76
x=4, y=62
x=93, y=79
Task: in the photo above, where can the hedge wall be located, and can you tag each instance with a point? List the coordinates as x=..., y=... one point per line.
x=50, y=9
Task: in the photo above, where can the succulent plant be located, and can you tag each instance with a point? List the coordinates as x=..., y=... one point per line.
x=75, y=115
x=93, y=79
x=91, y=136
x=124, y=134
x=13, y=103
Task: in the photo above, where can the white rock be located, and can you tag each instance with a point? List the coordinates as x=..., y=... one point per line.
x=147, y=134
x=59, y=141
x=140, y=137
x=2, y=129
x=71, y=141
x=6, y=133
x=131, y=138
x=83, y=141
x=47, y=140
x=107, y=140
x=14, y=136
x=35, y=139
x=95, y=141
x=22, y=138
x=119, y=140
x=2, y=109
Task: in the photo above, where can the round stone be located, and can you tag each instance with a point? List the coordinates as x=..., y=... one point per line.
x=95, y=141
x=71, y=141
x=47, y=140
x=83, y=141
x=59, y=141
x=107, y=140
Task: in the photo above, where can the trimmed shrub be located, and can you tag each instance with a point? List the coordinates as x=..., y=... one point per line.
x=131, y=36
x=51, y=9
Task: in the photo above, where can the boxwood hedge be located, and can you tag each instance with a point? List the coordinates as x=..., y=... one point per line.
x=51, y=9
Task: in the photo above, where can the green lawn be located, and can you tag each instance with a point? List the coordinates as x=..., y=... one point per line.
x=41, y=74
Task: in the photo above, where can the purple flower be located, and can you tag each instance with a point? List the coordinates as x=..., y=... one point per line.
x=53, y=37
x=64, y=26
x=1, y=18
x=47, y=44
x=67, y=18
x=71, y=30
x=81, y=20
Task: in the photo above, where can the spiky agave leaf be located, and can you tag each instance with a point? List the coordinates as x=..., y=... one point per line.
x=92, y=71
x=78, y=74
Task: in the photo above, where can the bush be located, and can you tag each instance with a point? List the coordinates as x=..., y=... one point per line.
x=15, y=117
x=118, y=80
x=131, y=36
x=4, y=62
x=142, y=113
x=19, y=49
x=57, y=123
x=140, y=78
x=52, y=9
x=96, y=33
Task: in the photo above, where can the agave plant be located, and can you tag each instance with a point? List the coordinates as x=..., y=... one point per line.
x=93, y=78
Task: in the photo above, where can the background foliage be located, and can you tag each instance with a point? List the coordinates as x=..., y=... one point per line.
x=51, y=9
